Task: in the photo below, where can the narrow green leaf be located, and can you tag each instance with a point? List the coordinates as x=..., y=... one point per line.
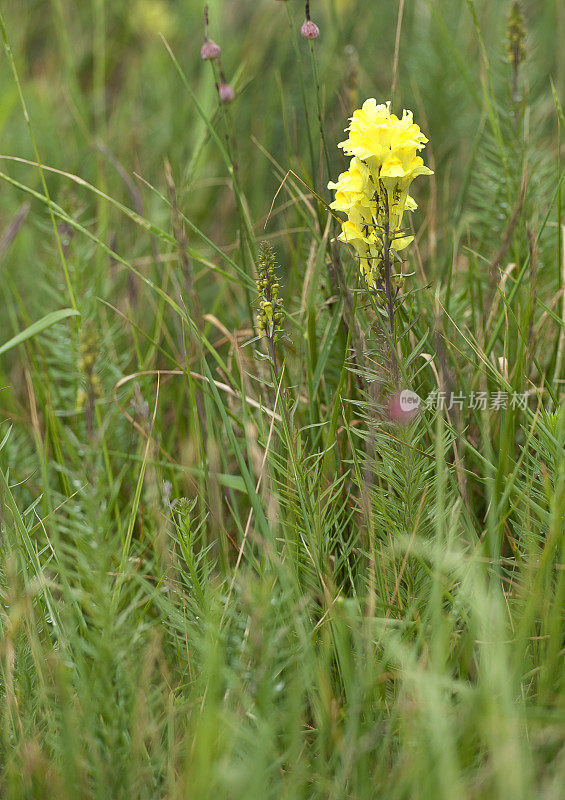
x=45, y=322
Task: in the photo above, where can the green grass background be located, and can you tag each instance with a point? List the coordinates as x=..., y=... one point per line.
x=200, y=599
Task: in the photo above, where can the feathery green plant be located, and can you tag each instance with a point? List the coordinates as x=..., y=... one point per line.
x=231, y=564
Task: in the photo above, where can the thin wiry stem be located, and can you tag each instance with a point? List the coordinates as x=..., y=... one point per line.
x=387, y=266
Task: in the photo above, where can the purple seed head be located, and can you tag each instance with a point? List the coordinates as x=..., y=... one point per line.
x=310, y=30
x=210, y=50
x=226, y=92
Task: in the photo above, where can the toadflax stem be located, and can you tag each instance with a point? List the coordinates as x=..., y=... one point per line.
x=387, y=266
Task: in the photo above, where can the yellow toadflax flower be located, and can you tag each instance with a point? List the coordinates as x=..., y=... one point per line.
x=373, y=192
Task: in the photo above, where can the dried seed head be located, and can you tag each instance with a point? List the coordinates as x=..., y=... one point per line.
x=210, y=50
x=226, y=92
x=310, y=30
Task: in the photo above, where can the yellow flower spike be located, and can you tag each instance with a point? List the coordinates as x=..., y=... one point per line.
x=374, y=191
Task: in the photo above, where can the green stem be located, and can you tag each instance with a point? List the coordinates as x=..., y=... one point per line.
x=302, y=90
x=319, y=107
x=12, y=63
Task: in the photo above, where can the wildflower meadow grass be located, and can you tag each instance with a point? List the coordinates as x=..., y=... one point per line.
x=282, y=420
